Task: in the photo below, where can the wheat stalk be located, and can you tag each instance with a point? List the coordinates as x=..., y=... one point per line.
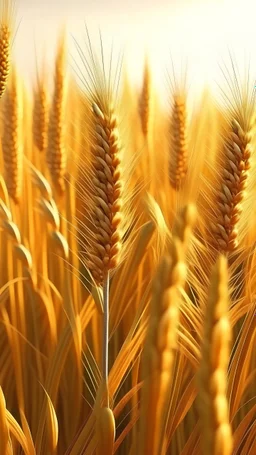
x=16, y=299
x=51, y=215
x=212, y=376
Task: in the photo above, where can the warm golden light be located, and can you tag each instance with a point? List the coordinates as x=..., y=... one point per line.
x=127, y=227
x=198, y=33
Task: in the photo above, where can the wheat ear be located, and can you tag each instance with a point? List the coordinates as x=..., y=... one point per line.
x=236, y=166
x=56, y=151
x=6, y=31
x=12, y=139
x=212, y=376
x=107, y=188
x=144, y=106
x=40, y=117
x=104, y=251
x=162, y=335
x=178, y=159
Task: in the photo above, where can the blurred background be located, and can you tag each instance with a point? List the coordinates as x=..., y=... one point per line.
x=199, y=33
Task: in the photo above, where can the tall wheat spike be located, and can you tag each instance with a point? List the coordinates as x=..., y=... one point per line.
x=231, y=194
x=178, y=157
x=235, y=169
x=104, y=199
x=56, y=151
x=6, y=33
x=12, y=139
x=144, y=107
x=104, y=252
x=40, y=116
x=107, y=195
x=162, y=335
x=216, y=431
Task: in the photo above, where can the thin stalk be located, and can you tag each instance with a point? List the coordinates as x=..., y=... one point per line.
x=105, y=333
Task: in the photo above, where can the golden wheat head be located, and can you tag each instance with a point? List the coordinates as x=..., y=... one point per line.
x=236, y=166
x=56, y=151
x=213, y=404
x=144, y=107
x=12, y=139
x=6, y=33
x=178, y=159
x=107, y=195
x=40, y=116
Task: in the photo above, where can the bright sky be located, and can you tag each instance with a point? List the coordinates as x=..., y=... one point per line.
x=199, y=31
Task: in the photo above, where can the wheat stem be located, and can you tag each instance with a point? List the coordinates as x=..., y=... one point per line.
x=105, y=330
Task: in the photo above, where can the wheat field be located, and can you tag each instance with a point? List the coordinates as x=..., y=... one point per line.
x=127, y=285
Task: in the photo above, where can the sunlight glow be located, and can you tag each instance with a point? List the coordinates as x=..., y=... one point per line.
x=196, y=32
